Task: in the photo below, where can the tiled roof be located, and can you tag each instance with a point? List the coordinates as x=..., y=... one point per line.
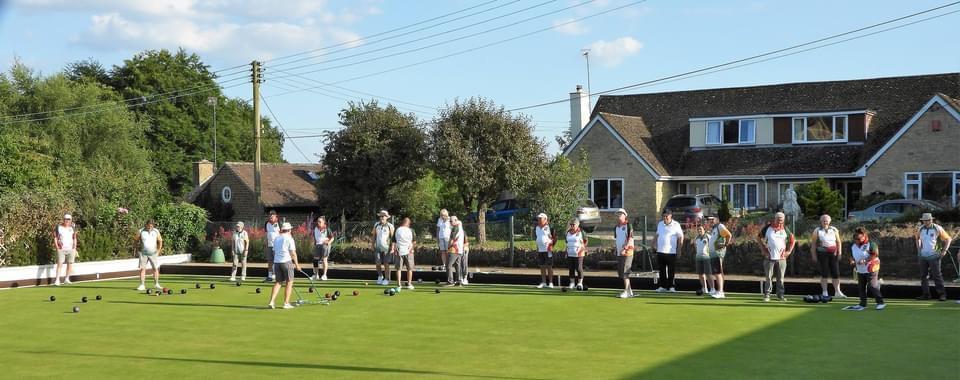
x=281, y=185
x=663, y=130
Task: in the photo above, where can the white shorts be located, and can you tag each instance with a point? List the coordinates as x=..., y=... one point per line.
x=152, y=259
x=66, y=255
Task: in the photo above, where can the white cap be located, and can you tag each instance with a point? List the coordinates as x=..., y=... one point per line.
x=67, y=216
x=621, y=211
x=384, y=213
x=239, y=224
x=286, y=226
x=542, y=216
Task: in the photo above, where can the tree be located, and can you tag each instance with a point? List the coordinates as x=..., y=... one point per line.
x=174, y=88
x=89, y=70
x=723, y=213
x=378, y=153
x=817, y=198
x=483, y=150
x=560, y=189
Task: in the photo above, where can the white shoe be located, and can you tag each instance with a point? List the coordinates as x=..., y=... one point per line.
x=661, y=290
x=672, y=290
x=243, y=279
x=270, y=306
x=624, y=295
x=723, y=295
x=630, y=293
x=410, y=287
x=464, y=281
x=712, y=292
x=287, y=306
x=233, y=279
x=766, y=298
x=156, y=285
x=550, y=285
x=716, y=295
x=380, y=279
x=66, y=280
x=141, y=288
x=57, y=283
x=881, y=306
x=840, y=294
x=542, y=284
x=572, y=286
x=323, y=278
x=314, y=278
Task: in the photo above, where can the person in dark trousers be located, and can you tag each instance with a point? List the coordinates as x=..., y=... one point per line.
x=866, y=260
x=669, y=243
x=933, y=242
x=576, y=249
x=458, y=240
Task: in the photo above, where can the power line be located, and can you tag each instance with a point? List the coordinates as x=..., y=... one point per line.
x=480, y=47
x=754, y=57
x=445, y=32
x=401, y=35
x=351, y=90
x=408, y=51
x=116, y=106
x=297, y=85
x=283, y=130
x=379, y=34
x=142, y=99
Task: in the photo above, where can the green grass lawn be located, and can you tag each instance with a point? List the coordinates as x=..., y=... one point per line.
x=480, y=331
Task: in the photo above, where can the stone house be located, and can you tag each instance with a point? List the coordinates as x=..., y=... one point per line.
x=749, y=144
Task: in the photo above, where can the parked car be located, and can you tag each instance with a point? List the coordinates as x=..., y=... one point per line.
x=689, y=209
x=589, y=215
x=501, y=210
x=893, y=209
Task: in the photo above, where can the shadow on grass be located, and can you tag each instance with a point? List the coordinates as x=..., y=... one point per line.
x=802, y=345
x=277, y=365
x=248, y=307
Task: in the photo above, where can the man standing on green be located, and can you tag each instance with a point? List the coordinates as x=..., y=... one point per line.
x=151, y=246
x=382, y=236
x=929, y=249
x=776, y=242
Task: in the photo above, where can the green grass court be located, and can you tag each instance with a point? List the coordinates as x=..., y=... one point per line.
x=480, y=331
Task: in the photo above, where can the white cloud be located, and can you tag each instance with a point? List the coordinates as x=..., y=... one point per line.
x=229, y=30
x=612, y=53
x=570, y=27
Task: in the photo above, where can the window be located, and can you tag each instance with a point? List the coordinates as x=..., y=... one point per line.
x=820, y=129
x=714, y=129
x=890, y=208
x=748, y=130
x=226, y=194
x=732, y=132
x=938, y=187
x=607, y=193
x=741, y=195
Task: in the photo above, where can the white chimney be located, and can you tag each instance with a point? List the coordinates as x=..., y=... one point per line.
x=579, y=110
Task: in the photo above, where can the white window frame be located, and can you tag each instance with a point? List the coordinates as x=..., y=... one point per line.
x=753, y=134
x=720, y=124
x=918, y=182
x=907, y=182
x=686, y=187
x=606, y=207
x=833, y=122
x=746, y=186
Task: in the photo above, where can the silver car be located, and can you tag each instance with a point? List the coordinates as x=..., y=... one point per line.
x=589, y=215
x=893, y=210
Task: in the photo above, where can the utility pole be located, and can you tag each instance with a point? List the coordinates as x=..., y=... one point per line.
x=256, y=130
x=213, y=102
x=586, y=54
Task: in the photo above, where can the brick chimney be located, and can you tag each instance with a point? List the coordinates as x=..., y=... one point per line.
x=579, y=110
x=202, y=171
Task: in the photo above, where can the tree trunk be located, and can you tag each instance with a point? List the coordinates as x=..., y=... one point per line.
x=482, y=223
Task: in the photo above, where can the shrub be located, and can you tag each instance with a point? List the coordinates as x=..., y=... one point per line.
x=724, y=212
x=27, y=220
x=817, y=199
x=183, y=225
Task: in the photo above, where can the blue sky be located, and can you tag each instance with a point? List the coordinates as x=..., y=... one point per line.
x=653, y=39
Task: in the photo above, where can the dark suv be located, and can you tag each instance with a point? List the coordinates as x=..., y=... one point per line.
x=689, y=209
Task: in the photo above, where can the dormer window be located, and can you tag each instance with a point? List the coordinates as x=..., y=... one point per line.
x=728, y=132
x=820, y=129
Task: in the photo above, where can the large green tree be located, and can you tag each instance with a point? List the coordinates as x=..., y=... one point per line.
x=173, y=90
x=484, y=150
x=559, y=190
x=369, y=163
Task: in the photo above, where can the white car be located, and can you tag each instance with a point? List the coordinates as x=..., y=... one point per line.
x=893, y=210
